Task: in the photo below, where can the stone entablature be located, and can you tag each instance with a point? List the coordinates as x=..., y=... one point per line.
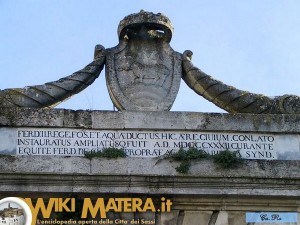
x=147, y=134
x=207, y=193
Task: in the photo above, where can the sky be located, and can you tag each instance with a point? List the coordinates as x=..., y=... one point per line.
x=252, y=45
x=12, y=204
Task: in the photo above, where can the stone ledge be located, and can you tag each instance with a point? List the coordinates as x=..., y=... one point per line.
x=20, y=117
x=44, y=183
x=132, y=175
x=145, y=166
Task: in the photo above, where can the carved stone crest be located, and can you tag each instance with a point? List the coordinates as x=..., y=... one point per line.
x=143, y=72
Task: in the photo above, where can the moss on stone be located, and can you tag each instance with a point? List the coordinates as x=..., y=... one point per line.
x=109, y=153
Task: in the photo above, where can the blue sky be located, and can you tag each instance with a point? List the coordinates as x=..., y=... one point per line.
x=12, y=204
x=252, y=45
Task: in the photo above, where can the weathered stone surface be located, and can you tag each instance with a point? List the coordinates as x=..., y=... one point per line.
x=79, y=119
x=107, y=120
x=256, y=185
x=147, y=175
x=52, y=93
x=159, y=21
x=44, y=165
x=153, y=120
x=287, y=147
x=147, y=216
x=4, y=121
x=232, y=99
x=169, y=218
x=133, y=166
x=284, y=129
x=222, y=218
x=143, y=72
x=127, y=216
x=21, y=117
x=197, y=217
x=236, y=218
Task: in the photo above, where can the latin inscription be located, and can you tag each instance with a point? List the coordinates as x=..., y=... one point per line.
x=37, y=141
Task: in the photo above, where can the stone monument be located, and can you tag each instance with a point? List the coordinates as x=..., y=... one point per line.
x=143, y=74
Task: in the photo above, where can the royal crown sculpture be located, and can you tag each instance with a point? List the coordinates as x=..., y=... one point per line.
x=143, y=73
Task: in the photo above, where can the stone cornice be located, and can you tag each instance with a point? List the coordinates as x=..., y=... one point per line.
x=147, y=175
x=274, y=123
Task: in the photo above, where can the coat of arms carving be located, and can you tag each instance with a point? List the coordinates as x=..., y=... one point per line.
x=143, y=72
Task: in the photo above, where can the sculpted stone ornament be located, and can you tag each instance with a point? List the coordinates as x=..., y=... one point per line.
x=52, y=93
x=143, y=73
x=234, y=100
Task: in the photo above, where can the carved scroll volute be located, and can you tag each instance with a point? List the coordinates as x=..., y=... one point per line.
x=232, y=99
x=52, y=93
